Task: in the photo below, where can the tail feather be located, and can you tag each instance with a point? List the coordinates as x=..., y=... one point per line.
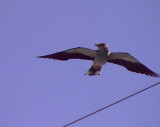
x=94, y=70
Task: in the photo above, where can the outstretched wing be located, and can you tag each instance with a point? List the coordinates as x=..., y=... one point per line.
x=131, y=63
x=75, y=53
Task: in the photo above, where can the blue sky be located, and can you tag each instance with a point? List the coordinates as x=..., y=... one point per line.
x=49, y=93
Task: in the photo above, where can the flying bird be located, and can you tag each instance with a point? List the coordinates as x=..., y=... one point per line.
x=101, y=57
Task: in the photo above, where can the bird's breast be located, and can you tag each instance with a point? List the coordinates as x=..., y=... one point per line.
x=100, y=58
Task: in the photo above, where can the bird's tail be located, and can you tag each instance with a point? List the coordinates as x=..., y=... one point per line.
x=94, y=70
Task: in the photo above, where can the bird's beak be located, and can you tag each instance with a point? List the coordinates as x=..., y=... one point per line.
x=96, y=44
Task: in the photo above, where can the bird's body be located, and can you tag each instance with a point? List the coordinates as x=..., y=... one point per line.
x=100, y=57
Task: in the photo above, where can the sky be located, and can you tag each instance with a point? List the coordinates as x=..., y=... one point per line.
x=38, y=92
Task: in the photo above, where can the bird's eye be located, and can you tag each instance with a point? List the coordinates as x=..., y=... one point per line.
x=102, y=44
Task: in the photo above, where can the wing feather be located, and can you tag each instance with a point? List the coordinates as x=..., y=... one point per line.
x=74, y=53
x=131, y=63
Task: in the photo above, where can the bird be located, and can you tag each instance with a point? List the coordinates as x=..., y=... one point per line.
x=100, y=57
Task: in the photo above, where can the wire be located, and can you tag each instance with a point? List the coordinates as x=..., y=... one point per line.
x=112, y=104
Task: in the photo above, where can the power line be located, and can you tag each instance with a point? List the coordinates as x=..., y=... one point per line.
x=111, y=104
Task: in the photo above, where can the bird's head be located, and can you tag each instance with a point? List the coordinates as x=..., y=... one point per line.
x=101, y=45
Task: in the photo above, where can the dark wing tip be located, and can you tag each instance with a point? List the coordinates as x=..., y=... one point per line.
x=58, y=56
x=46, y=56
x=145, y=70
x=155, y=75
x=40, y=56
